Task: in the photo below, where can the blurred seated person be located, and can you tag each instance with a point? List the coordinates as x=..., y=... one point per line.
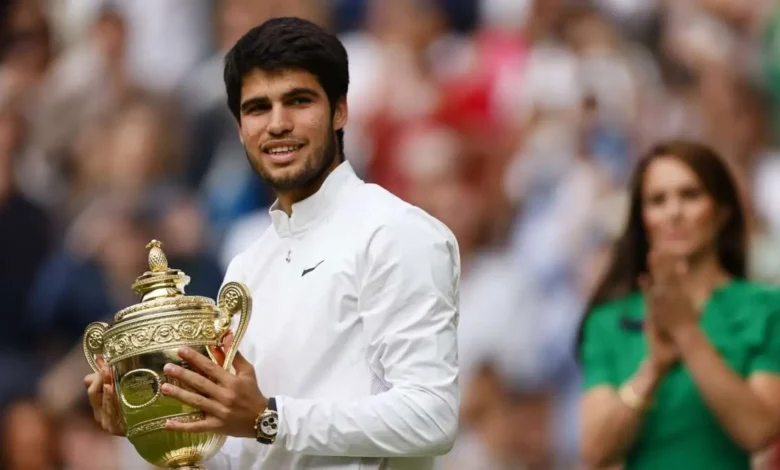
x=31, y=439
x=28, y=438
x=24, y=242
x=26, y=47
x=88, y=279
x=503, y=427
x=83, y=446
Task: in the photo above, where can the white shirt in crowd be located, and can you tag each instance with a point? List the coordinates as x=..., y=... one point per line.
x=353, y=330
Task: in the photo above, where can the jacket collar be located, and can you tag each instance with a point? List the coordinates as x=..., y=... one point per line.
x=307, y=212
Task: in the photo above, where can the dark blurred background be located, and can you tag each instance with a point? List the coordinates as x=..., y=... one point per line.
x=515, y=122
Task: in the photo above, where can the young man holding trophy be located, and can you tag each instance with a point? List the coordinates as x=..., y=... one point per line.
x=350, y=359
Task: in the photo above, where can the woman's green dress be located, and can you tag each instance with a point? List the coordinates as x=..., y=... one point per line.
x=741, y=320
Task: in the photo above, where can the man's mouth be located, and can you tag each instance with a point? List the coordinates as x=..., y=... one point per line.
x=283, y=151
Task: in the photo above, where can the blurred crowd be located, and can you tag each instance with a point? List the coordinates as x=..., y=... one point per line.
x=515, y=122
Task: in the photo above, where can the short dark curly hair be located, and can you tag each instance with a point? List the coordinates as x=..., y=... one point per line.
x=289, y=43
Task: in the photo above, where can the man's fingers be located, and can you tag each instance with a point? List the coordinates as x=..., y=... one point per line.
x=107, y=411
x=112, y=415
x=193, y=379
x=241, y=365
x=227, y=341
x=108, y=378
x=218, y=354
x=203, y=364
x=103, y=400
x=95, y=394
x=90, y=379
x=193, y=399
x=210, y=423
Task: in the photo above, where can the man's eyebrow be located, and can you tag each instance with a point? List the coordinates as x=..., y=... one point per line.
x=301, y=91
x=255, y=101
x=266, y=101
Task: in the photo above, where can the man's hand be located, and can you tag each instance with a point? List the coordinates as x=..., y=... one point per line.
x=231, y=402
x=103, y=399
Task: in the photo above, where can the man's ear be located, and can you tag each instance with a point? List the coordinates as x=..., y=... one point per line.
x=240, y=135
x=340, y=114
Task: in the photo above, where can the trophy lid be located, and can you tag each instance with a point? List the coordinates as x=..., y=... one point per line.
x=160, y=280
x=161, y=288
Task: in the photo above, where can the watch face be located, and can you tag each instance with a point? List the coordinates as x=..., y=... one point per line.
x=268, y=424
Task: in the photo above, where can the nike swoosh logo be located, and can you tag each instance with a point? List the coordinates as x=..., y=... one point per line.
x=308, y=270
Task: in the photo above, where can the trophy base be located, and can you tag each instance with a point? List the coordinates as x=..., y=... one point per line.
x=189, y=467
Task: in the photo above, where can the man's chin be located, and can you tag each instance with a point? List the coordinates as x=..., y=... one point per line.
x=281, y=177
x=297, y=174
x=286, y=184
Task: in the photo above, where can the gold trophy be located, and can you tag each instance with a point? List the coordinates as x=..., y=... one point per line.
x=145, y=337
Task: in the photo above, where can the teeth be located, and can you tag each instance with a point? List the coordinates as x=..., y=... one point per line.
x=280, y=150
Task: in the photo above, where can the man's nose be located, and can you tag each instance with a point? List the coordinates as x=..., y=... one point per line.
x=281, y=123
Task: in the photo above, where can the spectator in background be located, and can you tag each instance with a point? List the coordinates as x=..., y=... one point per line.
x=27, y=438
x=83, y=446
x=28, y=48
x=24, y=242
x=681, y=354
x=88, y=278
x=89, y=82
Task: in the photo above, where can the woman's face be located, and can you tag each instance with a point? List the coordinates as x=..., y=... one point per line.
x=679, y=216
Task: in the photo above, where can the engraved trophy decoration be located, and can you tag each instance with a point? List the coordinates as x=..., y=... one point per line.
x=145, y=337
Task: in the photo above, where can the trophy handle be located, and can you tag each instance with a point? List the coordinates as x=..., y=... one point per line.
x=93, y=342
x=234, y=298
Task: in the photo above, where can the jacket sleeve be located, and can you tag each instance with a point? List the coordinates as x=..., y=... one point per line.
x=408, y=304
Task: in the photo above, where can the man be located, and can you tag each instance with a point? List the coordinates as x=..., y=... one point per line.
x=350, y=358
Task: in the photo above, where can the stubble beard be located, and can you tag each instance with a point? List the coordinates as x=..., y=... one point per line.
x=312, y=170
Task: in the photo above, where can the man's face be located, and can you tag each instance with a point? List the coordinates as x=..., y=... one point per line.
x=287, y=127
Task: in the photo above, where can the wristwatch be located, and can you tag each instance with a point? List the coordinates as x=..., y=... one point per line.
x=267, y=423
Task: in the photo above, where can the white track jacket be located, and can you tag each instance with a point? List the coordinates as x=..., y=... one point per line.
x=353, y=330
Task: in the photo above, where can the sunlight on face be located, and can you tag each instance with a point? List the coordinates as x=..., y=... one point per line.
x=678, y=214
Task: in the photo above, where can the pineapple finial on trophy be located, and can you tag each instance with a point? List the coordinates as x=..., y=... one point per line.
x=158, y=262
x=160, y=280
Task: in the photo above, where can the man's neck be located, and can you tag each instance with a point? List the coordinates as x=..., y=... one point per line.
x=290, y=197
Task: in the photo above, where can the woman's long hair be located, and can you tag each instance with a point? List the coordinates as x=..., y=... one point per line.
x=629, y=258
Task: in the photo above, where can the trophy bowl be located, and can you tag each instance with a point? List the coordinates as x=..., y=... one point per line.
x=146, y=336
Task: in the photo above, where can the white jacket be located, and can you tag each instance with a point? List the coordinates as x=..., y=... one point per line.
x=353, y=330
